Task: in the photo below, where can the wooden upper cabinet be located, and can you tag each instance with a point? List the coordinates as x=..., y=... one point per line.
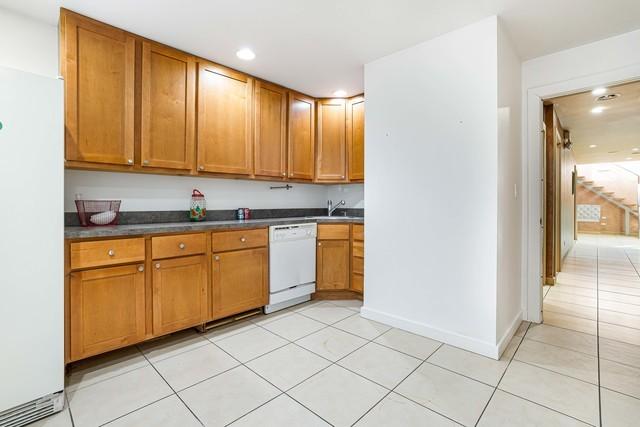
x=168, y=107
x=355, y=138
x=301, y=137
x=270, y=128
x=98, y=66
x=224, y=120
x=331, y=153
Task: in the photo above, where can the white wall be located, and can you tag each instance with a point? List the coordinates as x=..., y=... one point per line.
x=432, y=147
x=352, y=194
x=28, y=45
x=612, y=60
x=143, y=192
x=509, y=310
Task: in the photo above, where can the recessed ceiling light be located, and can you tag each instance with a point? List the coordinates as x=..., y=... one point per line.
x=629, y=158
x=340, y=93
x=599, y=91
x=593, y=146
x=597, y=110
x=245, y=54
x=635, y=149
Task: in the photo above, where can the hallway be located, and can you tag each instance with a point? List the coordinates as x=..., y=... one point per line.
x=591, y=332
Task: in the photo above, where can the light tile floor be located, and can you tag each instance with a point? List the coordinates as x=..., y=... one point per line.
x=322, y=364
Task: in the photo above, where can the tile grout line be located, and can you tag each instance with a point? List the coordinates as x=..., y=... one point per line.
x=503, y=374
x=169, y=385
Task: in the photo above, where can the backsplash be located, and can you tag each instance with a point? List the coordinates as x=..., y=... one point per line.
x=144, y=193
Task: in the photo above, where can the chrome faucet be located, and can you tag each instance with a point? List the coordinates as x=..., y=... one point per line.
x=331, y=208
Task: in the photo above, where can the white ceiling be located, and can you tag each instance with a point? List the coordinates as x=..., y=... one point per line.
x=611, y=136
x=319, y=46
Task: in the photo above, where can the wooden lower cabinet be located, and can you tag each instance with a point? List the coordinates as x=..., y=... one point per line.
x=179, y=293
x=240, y=281
x=107, y=309
x=332, y=265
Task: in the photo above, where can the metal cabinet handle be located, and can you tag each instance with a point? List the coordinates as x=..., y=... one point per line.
x=181, y=245
x=342, y=177
x=319, y=244
x=157, y=265
x=145, y=162
x=111, y=252
x=217, y=257
x=243, y=239
x=130, y=161
x=141, y=268
x=291, y=174
x=200, y=168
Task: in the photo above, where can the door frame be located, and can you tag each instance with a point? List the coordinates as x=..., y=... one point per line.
x=531, y=170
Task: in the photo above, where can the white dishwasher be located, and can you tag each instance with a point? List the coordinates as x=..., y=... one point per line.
x=292, y=265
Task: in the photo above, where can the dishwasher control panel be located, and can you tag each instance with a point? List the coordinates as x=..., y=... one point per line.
x=279, y=233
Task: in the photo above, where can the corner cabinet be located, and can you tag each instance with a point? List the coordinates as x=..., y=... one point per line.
x=98, y=64
x=355, y=138
x=331, y=151
x=225, y=142
x=167, y=108
x=270, y=128
x=301, y=132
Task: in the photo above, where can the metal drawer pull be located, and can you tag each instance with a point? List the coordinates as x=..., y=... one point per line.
x=111, y=252
x=217, y=257
x=157, y=265
x=243, y=239
x=181, y=245
x=141, y=268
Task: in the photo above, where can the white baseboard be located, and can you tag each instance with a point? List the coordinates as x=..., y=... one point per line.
x=506, y=338
x=467, y=343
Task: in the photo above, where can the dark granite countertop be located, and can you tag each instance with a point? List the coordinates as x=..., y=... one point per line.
x=77, y=232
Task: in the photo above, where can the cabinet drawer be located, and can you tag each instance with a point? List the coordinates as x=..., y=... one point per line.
x=358, y=265
x=333, y=231
x=178, y=245
x=358, y=249
x=106, y=252
x=232, y=240
x=358, y=232
x=357, y=282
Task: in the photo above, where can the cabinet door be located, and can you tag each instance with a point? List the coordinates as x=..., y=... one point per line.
x=270, y=114
x=168, y=107
x=106, y=309
x=301, y=137
x=99, y=72
x=224, y=120
x=240, y=281
x=331, y=159
x=332, y=265
x=355, y=138
x=179, y=293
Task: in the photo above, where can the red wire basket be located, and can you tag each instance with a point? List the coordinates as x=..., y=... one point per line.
x=98, y=212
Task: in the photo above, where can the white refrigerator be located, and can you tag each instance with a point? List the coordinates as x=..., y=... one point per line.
x=31, y=247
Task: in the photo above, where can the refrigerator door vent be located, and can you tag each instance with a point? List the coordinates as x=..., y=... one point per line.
x=32, y=411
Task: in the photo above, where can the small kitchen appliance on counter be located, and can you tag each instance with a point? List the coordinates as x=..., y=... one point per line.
x=292, y=265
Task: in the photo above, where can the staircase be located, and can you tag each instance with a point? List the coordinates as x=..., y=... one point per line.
x=630, y=208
